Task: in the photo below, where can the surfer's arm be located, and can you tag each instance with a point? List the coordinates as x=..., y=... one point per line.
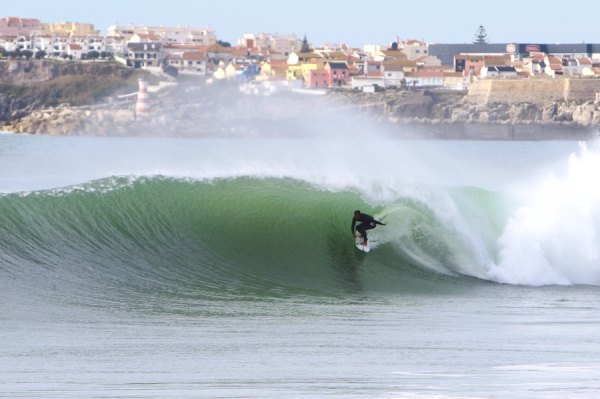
x=353, y=224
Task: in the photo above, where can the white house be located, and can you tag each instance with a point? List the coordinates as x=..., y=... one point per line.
x=282, y=43
x=95, y=43
x=189, y=62
x=14, y=43
x=75, y=51
x=60, y=46
x=393, y=75
x=373, y=68
x=498, y=72
x=43, y=43
x=424, y=79
x=164, y=34
x=144, y=38
x=9, y=42
x=367, y=83
x=576, y=66
x=143, y=55
x=414, y=48
x=115, y=44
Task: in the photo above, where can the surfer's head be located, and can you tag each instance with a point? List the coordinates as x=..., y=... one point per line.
x=356, y=214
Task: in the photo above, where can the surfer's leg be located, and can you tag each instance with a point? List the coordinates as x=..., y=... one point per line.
x=362, y=229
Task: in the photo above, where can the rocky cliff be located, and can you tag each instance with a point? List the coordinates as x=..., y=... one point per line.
x=439, y=107
x=26, y=86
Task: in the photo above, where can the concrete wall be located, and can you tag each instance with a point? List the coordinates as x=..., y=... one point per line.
x=537, y=91
x=583, y=90
x=496, y=131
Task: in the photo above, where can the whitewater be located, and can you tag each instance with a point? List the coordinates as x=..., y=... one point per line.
x=225, y=267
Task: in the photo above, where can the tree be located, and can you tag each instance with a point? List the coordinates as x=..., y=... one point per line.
x=171, y=71
x=305, y=47
x=481, y=35
x=223, y=44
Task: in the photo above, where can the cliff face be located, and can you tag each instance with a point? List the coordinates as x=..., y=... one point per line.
x=21, y=72
x=26, y=86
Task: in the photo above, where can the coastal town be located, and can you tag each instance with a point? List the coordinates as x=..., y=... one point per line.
x=478, y=73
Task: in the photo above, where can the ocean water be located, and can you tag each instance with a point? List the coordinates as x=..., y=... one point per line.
x=225, y=268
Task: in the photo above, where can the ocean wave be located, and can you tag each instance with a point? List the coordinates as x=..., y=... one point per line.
x=120, y=238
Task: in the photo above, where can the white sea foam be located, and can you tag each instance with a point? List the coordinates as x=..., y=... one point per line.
x=554, y=236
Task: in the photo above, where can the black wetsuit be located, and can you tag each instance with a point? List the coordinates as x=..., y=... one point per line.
x=367, y=222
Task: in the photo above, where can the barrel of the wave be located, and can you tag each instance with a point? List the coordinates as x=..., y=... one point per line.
x=142, y=106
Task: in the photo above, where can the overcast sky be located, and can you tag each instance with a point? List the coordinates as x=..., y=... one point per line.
x=351, y=21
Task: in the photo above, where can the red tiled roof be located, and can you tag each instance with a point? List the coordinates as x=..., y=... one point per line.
x=394, y=53
x=149, y=36
x=186, y=46
x=194, y=55
x=278, y=63
x=554, y=60
x=538, y=57
x=426, y=74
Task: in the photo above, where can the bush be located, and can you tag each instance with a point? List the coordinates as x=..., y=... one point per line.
x=171, y=71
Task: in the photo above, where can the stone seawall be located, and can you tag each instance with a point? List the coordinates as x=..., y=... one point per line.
x=583, y=90
x=534, y=91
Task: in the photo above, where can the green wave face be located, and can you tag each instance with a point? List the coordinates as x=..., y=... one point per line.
x=117, y=239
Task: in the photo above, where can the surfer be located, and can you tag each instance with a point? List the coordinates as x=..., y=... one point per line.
x=367, y=222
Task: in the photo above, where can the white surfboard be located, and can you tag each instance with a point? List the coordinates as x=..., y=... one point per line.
x=359, y=244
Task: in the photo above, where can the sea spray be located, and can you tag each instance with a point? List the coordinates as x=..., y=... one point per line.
x=554, y=238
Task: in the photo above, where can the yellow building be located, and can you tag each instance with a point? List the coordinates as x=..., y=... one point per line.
x=298, y=71
x=69, y=29
x=276, y=70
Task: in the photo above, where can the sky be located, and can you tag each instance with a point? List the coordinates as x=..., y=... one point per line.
x=352, y=22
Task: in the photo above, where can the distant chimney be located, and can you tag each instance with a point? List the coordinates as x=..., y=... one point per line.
x=142, y=106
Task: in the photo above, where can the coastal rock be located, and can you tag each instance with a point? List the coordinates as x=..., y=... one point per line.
x=549, y=112
x=122, y=116
x=524, y=112
x=460, y=115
